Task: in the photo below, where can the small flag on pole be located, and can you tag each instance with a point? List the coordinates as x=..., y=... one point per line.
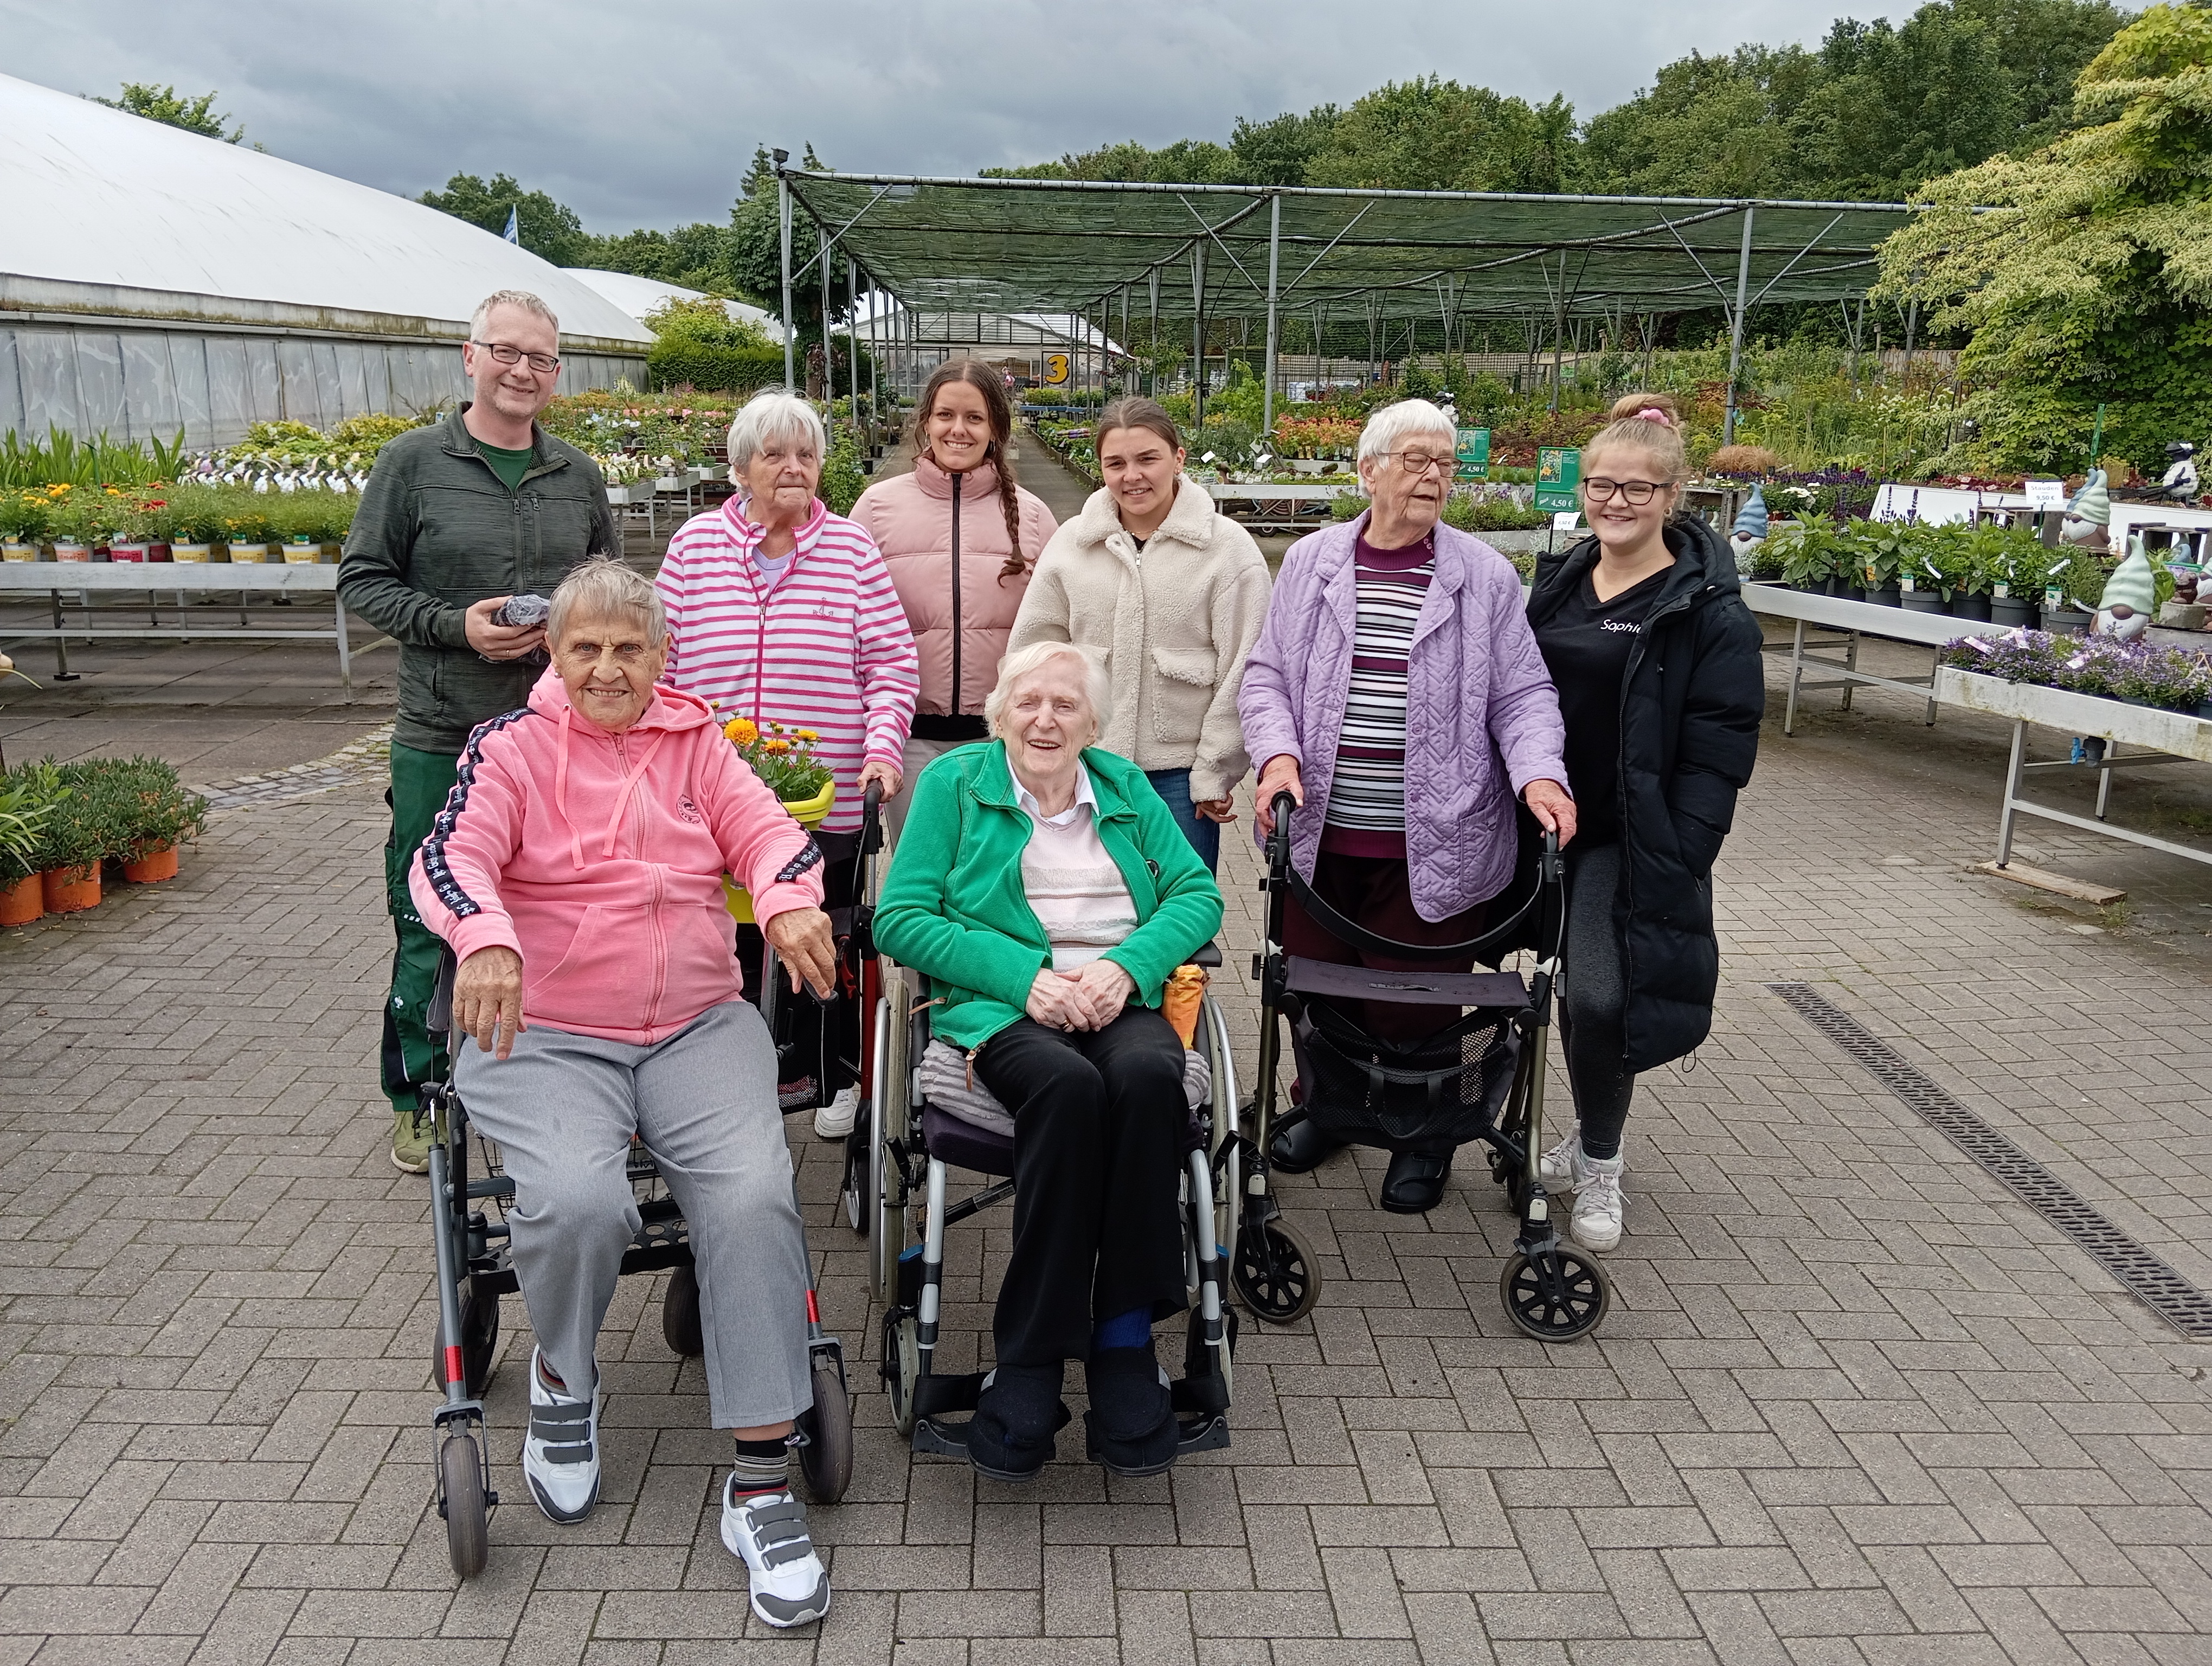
x=514, y=232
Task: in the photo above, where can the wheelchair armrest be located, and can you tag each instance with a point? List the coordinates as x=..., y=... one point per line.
x=438, y=1017
x=1208, y=955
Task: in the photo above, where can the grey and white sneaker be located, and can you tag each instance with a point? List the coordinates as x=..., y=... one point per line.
x=835, y=1120
x=768, y=1532
x=1560, y=1168
x=1598, y=1202
x=560, y=1453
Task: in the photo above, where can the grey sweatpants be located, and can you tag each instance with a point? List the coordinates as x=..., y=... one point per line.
x=562, y=1108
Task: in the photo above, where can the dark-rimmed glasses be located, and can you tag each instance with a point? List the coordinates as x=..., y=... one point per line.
x=544, y=363
x=1636, y=492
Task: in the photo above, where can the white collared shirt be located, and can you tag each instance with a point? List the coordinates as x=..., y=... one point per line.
x=1071, y=880
x=1084, y=794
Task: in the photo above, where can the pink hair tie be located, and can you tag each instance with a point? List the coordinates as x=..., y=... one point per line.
x=1653, y=414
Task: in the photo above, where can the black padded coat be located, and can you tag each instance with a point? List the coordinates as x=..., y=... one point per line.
x=1690, y=706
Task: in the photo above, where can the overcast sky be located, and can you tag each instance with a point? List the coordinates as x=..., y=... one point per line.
x=647, y=114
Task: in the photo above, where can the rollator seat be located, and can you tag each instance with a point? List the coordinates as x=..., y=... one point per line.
x=1325, y=978
x=964, y=1146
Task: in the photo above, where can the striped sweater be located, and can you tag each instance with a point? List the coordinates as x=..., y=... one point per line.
x=1367, y=814
x=825, y=648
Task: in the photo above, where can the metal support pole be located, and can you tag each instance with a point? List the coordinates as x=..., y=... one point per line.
x=1274, y=259
x=828, y=353
x=875, y=363
x=1153, y=346
x=1198, y=336
x=1125, y=336
x=1735, y=332
x=783, y=220
x=852, y=342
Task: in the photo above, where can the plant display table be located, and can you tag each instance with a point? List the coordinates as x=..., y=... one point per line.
x=253, y=586
x=1846, y=620
x=2167, y=737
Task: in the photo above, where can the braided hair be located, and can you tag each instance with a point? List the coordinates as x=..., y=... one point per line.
x=1000, y=409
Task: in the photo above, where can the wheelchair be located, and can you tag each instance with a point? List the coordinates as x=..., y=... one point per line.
x=898, y=1166
x=474, y=1271
x=1480, y=1077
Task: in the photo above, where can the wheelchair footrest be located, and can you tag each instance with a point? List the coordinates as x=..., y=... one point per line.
x=934, y=1394
x=1209, y=1433
x=941, y=1439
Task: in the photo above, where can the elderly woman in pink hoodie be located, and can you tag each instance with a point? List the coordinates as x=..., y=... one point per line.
x=577, y=872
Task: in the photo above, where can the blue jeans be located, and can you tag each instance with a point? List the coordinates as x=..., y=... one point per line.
x=1173, y=788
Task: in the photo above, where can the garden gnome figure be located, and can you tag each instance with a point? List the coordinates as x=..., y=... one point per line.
x=2088, y=515
x=2178, y=483
x=2124, y=610
x=1750, y=531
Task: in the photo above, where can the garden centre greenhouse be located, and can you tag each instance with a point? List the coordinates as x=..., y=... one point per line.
x=642, y=296
x=1410, y=269
x=154, y=282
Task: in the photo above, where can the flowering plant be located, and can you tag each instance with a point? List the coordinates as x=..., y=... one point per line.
x=2170, y=678
x=783, y=758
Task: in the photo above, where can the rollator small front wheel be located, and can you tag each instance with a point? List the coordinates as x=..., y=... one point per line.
x=461, y=1493
x=826, y=1460
x=1275, y=1272
x=679, y=1314
x=902, y=1366
x=1557, y=1297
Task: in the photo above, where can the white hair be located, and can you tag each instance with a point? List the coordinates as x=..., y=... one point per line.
x=603, y=588
x=1388, y=427
x=1025, y=662
x=775, y=415
x=518, y=298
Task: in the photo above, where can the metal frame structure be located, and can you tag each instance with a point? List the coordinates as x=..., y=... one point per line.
x=1427, y=261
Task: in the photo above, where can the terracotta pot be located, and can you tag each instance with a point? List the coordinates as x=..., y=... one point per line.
x=152, y=866
x=67, y=890
x=23, y=901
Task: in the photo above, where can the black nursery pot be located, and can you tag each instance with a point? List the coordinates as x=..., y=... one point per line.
x=1850, y=592
x=2010, y=611
x=2067, y=621
x=1887, y=596
x=1922, y=601
x=1966, y=606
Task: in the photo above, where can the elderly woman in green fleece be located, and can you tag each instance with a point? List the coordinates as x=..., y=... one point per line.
x=1046, y=892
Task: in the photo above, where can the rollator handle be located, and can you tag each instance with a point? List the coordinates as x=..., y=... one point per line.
x=1279, y=842
x=872, y=810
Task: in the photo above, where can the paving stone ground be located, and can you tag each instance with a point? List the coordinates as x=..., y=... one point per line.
x=1853, y=1402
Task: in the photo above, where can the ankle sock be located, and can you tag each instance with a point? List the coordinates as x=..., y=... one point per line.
x=1131, y=1330
x=762, y=1466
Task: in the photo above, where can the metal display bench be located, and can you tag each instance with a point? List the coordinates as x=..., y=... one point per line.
x=1824, y=624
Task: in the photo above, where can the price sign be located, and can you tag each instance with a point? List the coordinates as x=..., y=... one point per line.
x=1473, y=453
x=1055, y=369
x=2046, y=494
x=1566, y=520
x=1558, y=471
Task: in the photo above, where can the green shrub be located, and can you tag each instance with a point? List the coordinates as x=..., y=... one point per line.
x=842, y=483
x=714, y=368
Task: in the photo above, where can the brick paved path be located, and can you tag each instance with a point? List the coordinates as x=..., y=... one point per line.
x=1853, y=1402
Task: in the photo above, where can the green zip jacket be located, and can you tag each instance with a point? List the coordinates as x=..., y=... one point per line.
x=953, y=908
x=436, y=531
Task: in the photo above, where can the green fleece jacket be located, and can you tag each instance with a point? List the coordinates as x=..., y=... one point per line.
x=436, y=531
x=953, y=908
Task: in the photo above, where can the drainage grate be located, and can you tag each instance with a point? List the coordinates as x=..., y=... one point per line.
x=2169, y=1295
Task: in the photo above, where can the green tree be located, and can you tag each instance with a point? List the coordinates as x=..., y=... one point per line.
x=542, y=226
x=693, y=256
x=751, y=262
x=171, y=109
x=2084, y=272
x=1432, y=135
x=1279, y=152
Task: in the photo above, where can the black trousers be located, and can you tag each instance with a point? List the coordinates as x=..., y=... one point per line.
x=1593, y=1007
x=1098, y=1131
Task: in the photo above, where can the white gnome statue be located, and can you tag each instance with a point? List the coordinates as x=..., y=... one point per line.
x=2131, y=597
x=1750, y=532
x=2089, y=515
x=2178, y=483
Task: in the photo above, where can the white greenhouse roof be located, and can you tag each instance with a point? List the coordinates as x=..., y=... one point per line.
x=113, y=203
x=639, y=296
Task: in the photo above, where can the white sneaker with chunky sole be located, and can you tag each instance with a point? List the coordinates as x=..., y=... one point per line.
x=560, y=1453
x=835, y=1120
x=1560, y=1168
x=767, y=1532
x=1598, y=1202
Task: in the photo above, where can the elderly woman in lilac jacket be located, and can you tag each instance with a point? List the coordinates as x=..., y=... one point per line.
x=1397, y=694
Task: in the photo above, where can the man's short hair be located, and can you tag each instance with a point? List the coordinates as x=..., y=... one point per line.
x=521, y=298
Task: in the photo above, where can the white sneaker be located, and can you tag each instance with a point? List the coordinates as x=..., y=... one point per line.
x=835, y=1120
x=1598, y=1200
x=560, y=1453
x=768, y=1530
x=1560, y=1168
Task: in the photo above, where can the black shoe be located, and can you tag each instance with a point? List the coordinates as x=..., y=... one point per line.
x=1131, y=1426
x=1016, y=1415
x=1415, y=1181
x=1301, y=1147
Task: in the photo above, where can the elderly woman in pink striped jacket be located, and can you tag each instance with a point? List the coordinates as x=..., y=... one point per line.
x=782, y=612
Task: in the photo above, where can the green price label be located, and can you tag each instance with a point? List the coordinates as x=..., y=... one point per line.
x=1559, y=470
x=1473, y=454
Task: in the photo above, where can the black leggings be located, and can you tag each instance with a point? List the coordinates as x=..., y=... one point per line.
x=1592, y=1011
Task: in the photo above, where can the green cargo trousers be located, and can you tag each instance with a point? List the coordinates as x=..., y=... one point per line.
x=420, y=783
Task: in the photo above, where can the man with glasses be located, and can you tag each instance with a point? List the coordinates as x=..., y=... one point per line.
x=457, y=518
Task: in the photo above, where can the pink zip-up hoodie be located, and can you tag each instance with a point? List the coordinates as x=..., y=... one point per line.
x=598, y=858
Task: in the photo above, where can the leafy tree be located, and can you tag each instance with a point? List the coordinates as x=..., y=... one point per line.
x=171, y=109
x=543, y=227
x=752, y=256
x=1432, y=135
x=693, y=256
x=2088, y=280
x=1279, y=152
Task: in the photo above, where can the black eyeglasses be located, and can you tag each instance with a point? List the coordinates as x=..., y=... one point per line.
x=1637, y=492
x=544, y=363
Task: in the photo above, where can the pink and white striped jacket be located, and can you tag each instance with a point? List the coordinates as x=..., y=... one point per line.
x=827, y=648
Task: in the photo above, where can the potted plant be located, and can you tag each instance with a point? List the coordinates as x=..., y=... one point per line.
x=72, y=842
x=193, y=521
x=150, y=814
x=2070, y=575
x=246, y=527
x=1877, y=549
x=784, y=760
x=25, y=807
x=1925, y=556
x=23, y=520
x=70, y=527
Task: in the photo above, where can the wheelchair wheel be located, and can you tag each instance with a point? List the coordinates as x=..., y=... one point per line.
x=461, y=1499
x=679, y=1314
x=902, y=1366
x=887, y=1114
x=479, y=1342
x=1558, y=1304
x=1275, y=1272
x=826, y=1460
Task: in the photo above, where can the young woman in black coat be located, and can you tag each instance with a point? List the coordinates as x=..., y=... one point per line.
x=1656, y=660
